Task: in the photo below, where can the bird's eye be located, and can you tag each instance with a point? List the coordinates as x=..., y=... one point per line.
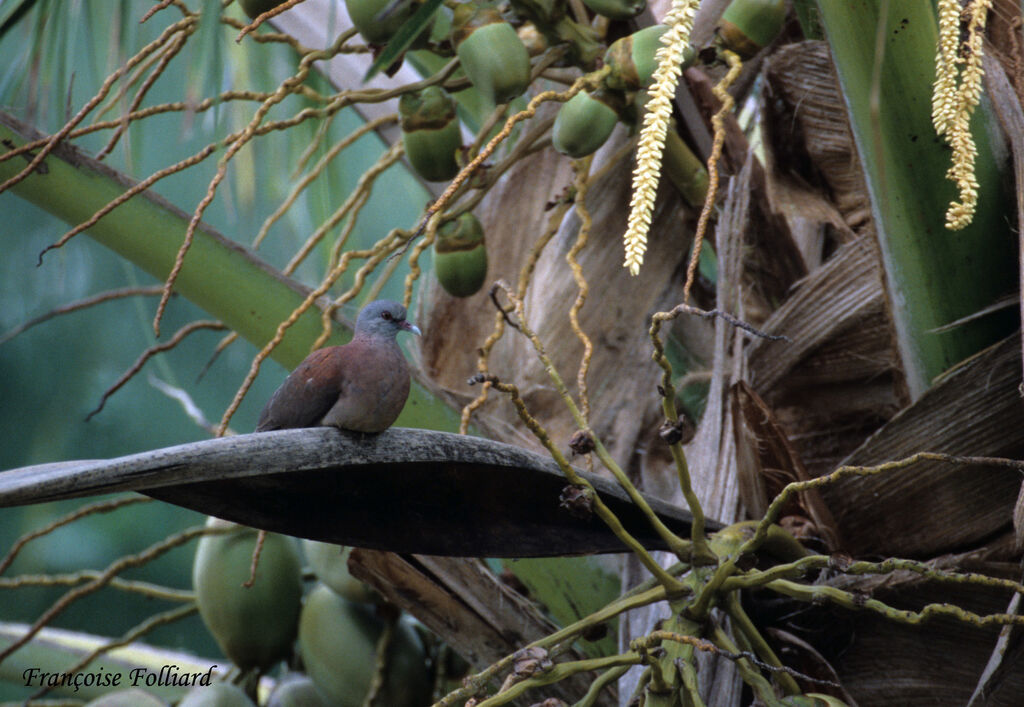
x=386, y=316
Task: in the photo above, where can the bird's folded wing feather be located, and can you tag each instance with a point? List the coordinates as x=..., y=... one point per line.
x=303, y=400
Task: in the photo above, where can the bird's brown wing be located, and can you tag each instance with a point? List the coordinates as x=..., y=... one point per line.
x=302, y=401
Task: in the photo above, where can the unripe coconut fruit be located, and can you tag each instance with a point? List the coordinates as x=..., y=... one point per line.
x=132, y=697
x=748, y=26
x=219, y=694
x=254, y=626
x=338, y=642
x=430, y=133
x=297, y=690
x=617, y=9
x=632, y=59
x=583, y=124
x=491, y=53
x=460, y=256
x=330, y=565
x=365, y=15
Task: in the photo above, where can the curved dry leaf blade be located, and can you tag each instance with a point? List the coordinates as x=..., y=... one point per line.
x=932, y=508
x=404, y=490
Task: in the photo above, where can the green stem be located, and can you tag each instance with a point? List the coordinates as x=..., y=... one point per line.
x=600, y=509
x=711, y=591
x=625, y=603
x=688, y=672
x=678, y=661
x=799, y=568
x=608, y=677
x=702, y=553
x=686, y=171
x=560, y=672
x=676, y=544
x=761, y=687
x=819, y=593
x=744, y=626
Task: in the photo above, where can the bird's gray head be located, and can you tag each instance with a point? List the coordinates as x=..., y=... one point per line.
x=383, y=318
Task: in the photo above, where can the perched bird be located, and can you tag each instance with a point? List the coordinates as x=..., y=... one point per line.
x=361, y=386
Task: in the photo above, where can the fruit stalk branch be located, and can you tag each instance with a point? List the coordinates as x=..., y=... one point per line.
x=599, y=507
x=681, y=548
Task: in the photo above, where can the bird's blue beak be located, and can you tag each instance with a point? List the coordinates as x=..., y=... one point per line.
x=412, y=328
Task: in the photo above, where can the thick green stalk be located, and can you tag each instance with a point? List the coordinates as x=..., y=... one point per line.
x=884, y=52
x=757, y=682
x=744, y=626
x=220, y=276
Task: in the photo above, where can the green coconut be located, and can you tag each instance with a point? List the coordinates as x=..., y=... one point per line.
x=297, y=690
x=254, y=626
x=583, y=124
x=632, y=58
x=338, y=641
x=366, y=17
x=330, y=565
x=748, y=26
x=430, y=133
x=460, y=256
x=491, y=53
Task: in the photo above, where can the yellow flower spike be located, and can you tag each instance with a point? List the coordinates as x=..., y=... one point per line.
x=652, y=138
x=958, y=74
x=944, y=92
